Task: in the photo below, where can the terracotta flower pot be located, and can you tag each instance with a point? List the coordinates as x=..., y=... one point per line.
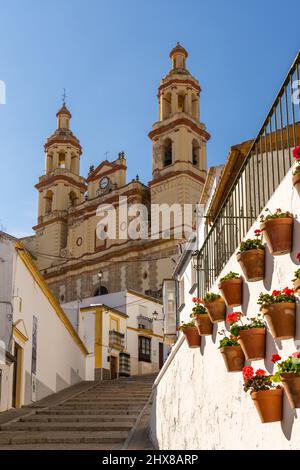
x=253, y=343
x=216, y=310
x=232, y=291
x=253, y=264
x=297, y=284
x=192, y=336
x=291, y=385
x=204, y=325
x=268, y=404
x=278, y=234
x=234, y=358
x=281, y=319
x=296, y=182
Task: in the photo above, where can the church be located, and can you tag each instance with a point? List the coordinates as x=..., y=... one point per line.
x=74, y=261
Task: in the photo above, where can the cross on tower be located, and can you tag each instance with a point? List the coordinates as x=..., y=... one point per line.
x=64, y=96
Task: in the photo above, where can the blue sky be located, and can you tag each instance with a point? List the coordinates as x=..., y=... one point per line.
x=110, y=55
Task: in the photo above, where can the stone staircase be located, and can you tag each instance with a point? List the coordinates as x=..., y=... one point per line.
x=100, y=417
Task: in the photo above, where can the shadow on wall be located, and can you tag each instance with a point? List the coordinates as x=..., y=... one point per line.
x=153, y=421
x=289, y=415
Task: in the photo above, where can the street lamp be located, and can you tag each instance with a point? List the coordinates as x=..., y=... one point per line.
x=155, y=315
x=100, y=276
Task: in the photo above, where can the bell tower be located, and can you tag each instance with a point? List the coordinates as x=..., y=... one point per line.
x=60, y=189
x=179, y=137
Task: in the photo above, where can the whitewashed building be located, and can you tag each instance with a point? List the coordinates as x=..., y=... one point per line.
x=123, y=329
x=41, y=353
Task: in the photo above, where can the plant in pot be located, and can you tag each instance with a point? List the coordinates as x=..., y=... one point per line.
x=296, y=280
x=251, y=335
x=231, y=287
x=267, y=397
x=278, y=231
x=232, y=352
x=252, y=257
x=296, y=172
x=288, y=372
x=201, y=317
x=279, y=309
x=191, y=333
x=215, y=306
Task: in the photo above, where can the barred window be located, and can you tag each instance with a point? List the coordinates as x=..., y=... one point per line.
x=144, y=349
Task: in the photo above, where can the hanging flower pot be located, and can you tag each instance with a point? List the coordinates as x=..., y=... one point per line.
x=252, y=258
x=231, y=287
x=201, y=317
x=279, y=310
x=232, y=353
x=289, y=374
x=215, y=307
x=266, y=398
x=268, y=404
x=278, y=232
x=191, y=334
x=253, y=343
x=251, y=336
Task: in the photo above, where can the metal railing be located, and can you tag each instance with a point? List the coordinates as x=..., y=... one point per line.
x=267, y=162
x=145, y=323
x=116, y=339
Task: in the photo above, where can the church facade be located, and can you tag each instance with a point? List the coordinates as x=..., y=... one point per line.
x=75, y=262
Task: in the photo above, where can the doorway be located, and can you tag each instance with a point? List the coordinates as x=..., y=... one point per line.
x=17, y=377
x=113, y=367
x=161, y=355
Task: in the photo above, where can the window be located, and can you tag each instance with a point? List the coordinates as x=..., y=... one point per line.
x=166, y=104
x=61, y=160
x=196, y=152
x=48, y=202
x=167, y=152
x=195, y=106
x=181, y=103
x=144, y=349
x=73, y=199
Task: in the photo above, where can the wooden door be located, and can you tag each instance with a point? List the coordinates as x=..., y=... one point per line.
x=161, y=355
x=113, y=367
x=17, y=377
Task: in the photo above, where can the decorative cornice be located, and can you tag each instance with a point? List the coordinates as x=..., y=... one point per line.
x=182, y=121
x=94, y=175
x=172, y=174
x=177, y=81
x=49, y=181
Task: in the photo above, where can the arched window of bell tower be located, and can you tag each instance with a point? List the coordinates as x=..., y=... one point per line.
x=62, y=160
x=195, y=152
x=194, y=106
x=166, y=105
x=181, y=102
x=167, y=152
x=48, y=202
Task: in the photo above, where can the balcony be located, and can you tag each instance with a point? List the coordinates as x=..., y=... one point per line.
x=145, y=323
x=116, y=339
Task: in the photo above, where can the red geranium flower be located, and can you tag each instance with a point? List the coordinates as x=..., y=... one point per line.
x=257, y=232
x=296, y=152
x=260, y=373
x=287, y=291
x=248, y=372
x=276, y=292
x=296, y=354
x=233, y=317
x=275, y=358
x=196, y=300
x=298, y=256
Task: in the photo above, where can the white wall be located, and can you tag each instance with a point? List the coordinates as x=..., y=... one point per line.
x=198, y=405
x=60, y=361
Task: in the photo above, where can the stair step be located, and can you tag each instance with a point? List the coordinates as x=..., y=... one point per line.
x=53, y=437
x=52, y=418
x=84, y=412
x=100, y=406
x=81, y=427
x=62, y=446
